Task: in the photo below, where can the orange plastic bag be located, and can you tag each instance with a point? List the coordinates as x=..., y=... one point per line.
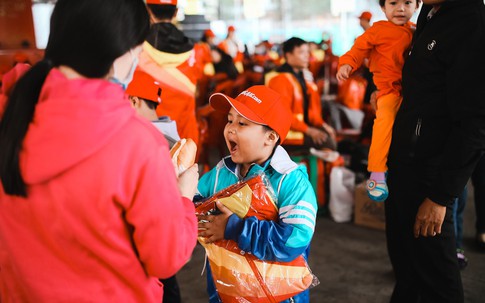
x=239, y=276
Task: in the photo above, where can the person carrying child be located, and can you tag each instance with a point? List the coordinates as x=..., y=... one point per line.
x=385, y=44
x=258, y=123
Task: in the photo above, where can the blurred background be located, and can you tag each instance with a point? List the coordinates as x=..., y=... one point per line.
x=25, y=23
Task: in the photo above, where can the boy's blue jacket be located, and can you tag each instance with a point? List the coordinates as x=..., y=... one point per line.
x=275, y=241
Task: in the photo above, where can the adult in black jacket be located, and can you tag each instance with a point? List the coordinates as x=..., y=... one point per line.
x=438, y=137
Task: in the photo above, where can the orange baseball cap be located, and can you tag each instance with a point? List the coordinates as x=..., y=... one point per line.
x=365, y=15
x=209, y=33
x=231, y=28
x=259, y=104
x=144, y=86
x=162, y=2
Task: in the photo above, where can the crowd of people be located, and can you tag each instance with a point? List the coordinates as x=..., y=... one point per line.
x=92, y=208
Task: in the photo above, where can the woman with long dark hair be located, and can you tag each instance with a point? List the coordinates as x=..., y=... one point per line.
x=90, y=208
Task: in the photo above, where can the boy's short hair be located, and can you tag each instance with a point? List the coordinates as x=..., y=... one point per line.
x=292, y=43
x=145, y=87
x=258, y=104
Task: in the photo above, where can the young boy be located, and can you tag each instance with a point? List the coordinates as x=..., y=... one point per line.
x=145, y=94
x=257, y=123
x=385, y=44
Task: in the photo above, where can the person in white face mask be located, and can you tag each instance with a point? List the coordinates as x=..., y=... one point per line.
x=91, y=208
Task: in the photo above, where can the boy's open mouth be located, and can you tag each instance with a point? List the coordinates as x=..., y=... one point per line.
x=232, y=146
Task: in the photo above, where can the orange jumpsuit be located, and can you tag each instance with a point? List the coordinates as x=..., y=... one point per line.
x=291, y=93
x=385, y=44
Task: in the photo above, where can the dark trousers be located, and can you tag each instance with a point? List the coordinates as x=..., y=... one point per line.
x=478, y=181
x=171, y=290
x=425, y=268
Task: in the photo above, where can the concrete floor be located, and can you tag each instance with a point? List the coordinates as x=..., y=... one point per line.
x=352, y=265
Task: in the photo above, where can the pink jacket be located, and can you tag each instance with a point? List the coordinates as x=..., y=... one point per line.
x=103, y=218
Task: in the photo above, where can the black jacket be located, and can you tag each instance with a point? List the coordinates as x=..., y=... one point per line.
x=440, y=127
x=167, y=38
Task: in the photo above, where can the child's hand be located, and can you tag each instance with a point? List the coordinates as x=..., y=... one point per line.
x=212, y=227
x=344, y=72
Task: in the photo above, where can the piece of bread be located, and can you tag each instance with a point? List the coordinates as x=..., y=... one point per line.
x=183, y=154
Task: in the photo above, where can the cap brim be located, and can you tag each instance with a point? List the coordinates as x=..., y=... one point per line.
x=223, y=103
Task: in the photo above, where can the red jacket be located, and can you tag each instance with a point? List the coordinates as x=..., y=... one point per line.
x=385, y=44
x=103, y=218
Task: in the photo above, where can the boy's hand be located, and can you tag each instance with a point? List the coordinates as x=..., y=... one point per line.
x=344, y=72
x=212, y=227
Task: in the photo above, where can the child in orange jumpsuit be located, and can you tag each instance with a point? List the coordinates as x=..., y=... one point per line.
x=384, y=44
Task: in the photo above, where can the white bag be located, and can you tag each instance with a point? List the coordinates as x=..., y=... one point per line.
x=342, y=184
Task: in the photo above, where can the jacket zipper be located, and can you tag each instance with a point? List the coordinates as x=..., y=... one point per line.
x=417, y=131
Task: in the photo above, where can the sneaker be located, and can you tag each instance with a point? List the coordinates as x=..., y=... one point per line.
x=377, y=191
x=325, y=154
x=462, y=260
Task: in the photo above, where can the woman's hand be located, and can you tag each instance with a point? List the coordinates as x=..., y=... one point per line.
x=188, y=181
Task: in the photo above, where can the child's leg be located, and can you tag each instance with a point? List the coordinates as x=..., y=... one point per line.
x=387, y=107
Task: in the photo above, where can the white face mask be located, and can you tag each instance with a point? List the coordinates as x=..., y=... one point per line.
x=124, y=83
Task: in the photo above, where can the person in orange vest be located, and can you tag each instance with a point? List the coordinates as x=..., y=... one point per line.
x=384, y=43
x=233, y=47
x=262, y=61
x=205, y=66
x=364, y=20
x=300, y=94
x=169, y=57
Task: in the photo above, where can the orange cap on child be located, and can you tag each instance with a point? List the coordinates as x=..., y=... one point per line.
x=144, y=86
x=259, y=104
